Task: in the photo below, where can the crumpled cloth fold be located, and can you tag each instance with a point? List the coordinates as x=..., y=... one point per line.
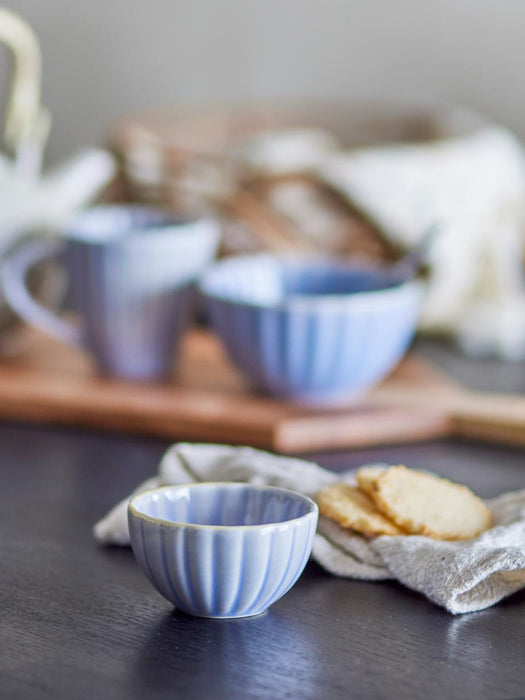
x=473, y=187
x=461, y=577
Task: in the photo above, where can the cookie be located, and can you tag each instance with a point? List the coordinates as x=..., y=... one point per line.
x=366, y=478
x=425, y=504
x=352, y=508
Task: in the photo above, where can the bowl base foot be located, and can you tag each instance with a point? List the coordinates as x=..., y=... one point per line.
x=223, y=617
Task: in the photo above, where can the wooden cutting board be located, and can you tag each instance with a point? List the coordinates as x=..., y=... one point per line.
x=208, y=400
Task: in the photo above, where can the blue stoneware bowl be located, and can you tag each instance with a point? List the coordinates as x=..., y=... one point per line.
x=313, y=331
x=222, y=550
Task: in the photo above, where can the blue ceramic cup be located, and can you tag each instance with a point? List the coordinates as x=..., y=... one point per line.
x=317, y=331
x=131, y=271
x=222, y=550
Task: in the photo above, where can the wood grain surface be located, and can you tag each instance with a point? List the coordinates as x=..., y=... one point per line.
x=208, y=399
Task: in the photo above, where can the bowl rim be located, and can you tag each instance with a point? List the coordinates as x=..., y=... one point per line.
x=375, y=300
x=134, y=512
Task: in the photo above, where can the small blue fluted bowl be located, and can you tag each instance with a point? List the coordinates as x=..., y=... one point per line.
x=222, y=550
x=313, y=331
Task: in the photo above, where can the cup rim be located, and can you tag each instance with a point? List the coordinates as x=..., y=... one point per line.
x=362, y=301
x=133, y=511
x=166, y=222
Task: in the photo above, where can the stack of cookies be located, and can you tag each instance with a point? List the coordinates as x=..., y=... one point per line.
x=401, y=501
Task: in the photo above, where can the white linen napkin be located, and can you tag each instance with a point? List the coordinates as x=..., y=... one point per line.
x=460, y=576
x=473, y=187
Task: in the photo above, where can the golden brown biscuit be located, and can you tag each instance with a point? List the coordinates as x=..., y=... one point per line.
x=352, y=508
x=425, y=504
x=366, y=478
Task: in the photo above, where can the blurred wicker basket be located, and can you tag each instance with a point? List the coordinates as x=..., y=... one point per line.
x=181, y=159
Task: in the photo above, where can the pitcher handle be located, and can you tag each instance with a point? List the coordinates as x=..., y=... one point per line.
x=13, y=279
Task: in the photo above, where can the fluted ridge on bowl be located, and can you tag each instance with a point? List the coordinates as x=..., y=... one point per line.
x=222, y=549
x=181, y=562
x=310, y=345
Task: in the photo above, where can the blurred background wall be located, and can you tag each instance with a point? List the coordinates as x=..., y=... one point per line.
x=106, y=58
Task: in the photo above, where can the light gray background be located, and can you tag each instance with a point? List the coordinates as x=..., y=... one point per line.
x=107, y=58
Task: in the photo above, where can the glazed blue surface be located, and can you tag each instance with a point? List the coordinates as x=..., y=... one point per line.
x=131, y=271
x=313, y=331
x=222, y=550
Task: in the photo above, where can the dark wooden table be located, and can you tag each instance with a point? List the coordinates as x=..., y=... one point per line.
x=81, y=621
